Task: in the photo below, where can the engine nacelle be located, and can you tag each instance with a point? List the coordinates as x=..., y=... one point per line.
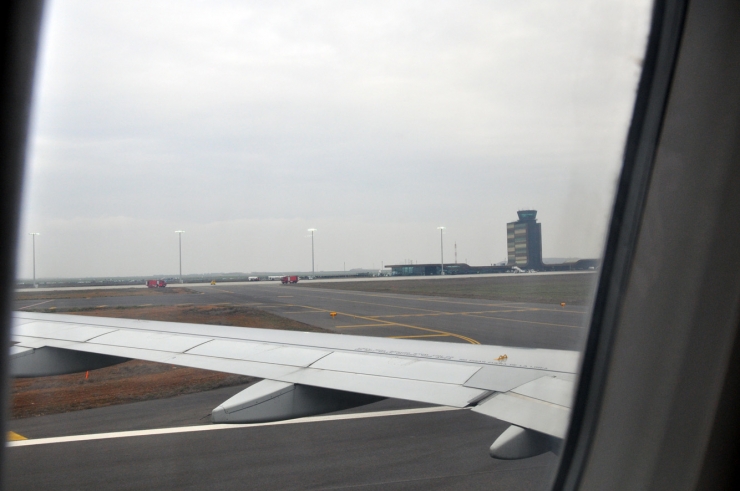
x=270, y=400
x=42, y=362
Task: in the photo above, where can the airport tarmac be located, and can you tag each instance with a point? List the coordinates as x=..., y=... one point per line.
x=317, y=279
x=438, y=450
x=409, y=450
x=380, y=314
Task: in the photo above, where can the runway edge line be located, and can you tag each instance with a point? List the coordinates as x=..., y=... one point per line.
x=191, y=429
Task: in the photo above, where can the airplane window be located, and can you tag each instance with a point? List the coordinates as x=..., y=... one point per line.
x=424, y=188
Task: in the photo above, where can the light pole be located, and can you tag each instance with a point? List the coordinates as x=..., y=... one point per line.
x=179, y=233
x=441, y=249
x=312, y=230
x=34, y=234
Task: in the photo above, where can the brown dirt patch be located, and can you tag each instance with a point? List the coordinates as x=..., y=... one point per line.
x=132, y=381
x=103, y=292
x=140, y=380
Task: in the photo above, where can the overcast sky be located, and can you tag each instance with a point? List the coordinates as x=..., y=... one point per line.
x=246, y=123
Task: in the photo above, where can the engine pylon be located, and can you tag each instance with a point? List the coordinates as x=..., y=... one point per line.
x=520, y=443
x=270, y=400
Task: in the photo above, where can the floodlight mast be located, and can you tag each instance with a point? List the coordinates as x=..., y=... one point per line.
x=179, y=233
x=313, y=270
x=441, y=250
x=34, y=234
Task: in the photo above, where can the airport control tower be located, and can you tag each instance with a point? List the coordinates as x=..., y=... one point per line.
x=524, y=241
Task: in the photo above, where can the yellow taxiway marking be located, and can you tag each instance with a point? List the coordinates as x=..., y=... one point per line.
x=431, y=313
x=219, y=290
x=514, y=308
x=389, y=323
x=432, y=298
x=15, y=437
x=363, y=325
x=420, y=336
x=482, y=315
x=438, y=312
x=303, y=312
x=453, y=313
x=391, y=306
x=523, y=321
x=35, y=304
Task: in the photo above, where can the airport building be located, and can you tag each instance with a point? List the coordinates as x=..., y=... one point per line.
x=524, y=247
x=428, y=269
x=524, y=241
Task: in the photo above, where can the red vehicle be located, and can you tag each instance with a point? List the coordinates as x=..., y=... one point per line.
x=156, y=283
x=289, y=279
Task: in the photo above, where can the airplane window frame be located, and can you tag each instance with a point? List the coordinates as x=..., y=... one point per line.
x=20, y=23
x=629, y=202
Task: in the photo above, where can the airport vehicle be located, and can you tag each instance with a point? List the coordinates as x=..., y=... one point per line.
x=156, y=283
x=656, y=404
x=253, y=278
x=289, y=280
x=274, y=278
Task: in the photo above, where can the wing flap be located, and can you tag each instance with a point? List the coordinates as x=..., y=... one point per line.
x=260, y=352
x=500, y=378
x=527, y=412
x=62, y=331
x=408, y=368
x=397, y=388
x=548, y=389
x=161, y=341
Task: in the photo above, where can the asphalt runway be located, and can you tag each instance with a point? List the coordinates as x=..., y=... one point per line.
x=440, y=450
x=379, y=314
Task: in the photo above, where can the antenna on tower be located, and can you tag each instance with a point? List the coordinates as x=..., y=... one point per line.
x=455, y=252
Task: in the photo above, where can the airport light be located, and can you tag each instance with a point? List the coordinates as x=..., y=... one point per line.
x=179, y=233
x=34, y=234
x=313, y=270
x=441, y=249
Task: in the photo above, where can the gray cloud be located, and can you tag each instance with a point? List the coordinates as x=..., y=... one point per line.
x=246, y=123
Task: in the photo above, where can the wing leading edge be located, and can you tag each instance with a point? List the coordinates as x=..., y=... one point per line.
x=311, y=373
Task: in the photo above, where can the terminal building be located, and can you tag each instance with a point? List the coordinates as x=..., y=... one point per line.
x=524, y=247
x=524, y=241
x=429, y=269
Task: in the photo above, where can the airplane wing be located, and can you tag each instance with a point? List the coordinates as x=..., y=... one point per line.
x=308, y=373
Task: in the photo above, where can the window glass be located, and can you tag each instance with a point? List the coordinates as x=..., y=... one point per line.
x=428, y=171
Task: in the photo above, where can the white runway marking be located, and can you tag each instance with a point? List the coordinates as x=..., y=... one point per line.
x=35, y=304
x=190, y=429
